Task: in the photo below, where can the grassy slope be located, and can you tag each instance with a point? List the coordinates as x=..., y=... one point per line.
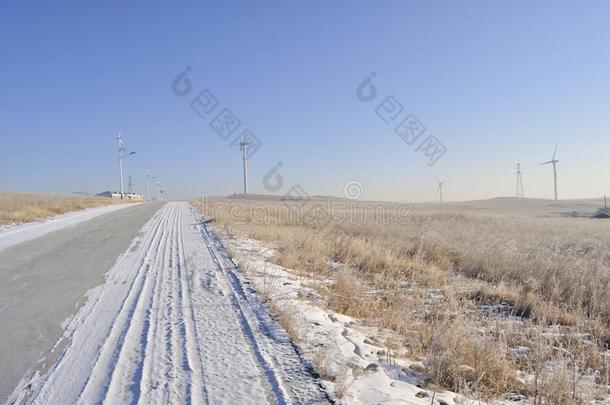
x=547, y=272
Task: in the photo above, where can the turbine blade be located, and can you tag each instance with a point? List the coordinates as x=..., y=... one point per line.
x=546, y=163
x=555, y=152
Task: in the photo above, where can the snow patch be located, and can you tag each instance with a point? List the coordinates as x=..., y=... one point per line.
x=349, y=356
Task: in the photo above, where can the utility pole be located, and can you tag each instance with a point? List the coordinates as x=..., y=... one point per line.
x=147, y=184
x=244, y=157
x=520, y=192
x=130, y=186
x=154, y=179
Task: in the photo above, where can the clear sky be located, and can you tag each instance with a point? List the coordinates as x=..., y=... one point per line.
x=496, y=82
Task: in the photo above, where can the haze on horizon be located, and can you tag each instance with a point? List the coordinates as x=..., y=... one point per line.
x=497, y=84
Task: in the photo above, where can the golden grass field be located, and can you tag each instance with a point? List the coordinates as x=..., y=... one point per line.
x=18, y=207
x=493, y=304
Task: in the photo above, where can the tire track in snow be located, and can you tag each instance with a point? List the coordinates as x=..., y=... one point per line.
x=193, y=351
x=127, y=371
x=288, y=376
x=182, y=367
x=155, y=370
x=172, y=337
x=68, y=378
x=272, y=381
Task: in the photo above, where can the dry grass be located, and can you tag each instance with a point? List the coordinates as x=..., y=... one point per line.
x=484, y=301
x=286, y=317
x=27, y=207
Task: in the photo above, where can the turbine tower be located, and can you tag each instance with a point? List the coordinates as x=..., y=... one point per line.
x=554, y=163
x=440, y=189
x=243, y=145
x=520, y=192
x=122, y=154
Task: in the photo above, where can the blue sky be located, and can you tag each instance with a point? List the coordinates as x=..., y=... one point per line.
x=496, y=82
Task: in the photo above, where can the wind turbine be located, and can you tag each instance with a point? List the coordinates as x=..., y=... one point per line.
x=554, y=163
x=122, y=153
x=243, y=146
x=440, y=189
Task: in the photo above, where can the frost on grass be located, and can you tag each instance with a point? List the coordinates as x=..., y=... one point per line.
x=359, y=364
x=494, y=308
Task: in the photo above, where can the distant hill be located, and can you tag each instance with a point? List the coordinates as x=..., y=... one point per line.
x=532, y=207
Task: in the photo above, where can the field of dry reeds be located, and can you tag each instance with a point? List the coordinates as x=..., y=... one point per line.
x=18, y=207
x=493, y=305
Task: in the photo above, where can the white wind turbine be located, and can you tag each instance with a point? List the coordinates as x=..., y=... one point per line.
x=440, y=189
x=243, y=146
x=122, y=154
x=554, y=163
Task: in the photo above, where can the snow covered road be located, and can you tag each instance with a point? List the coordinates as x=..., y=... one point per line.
x=45, y=280
x=174, y=324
